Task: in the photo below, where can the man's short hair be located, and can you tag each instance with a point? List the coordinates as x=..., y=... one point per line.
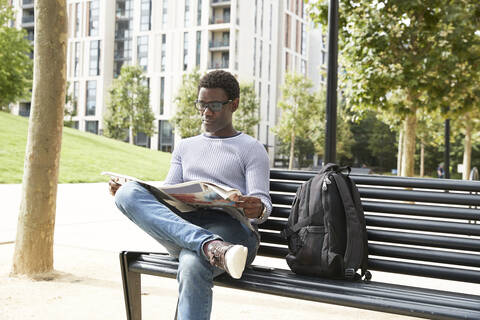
x=221, y=79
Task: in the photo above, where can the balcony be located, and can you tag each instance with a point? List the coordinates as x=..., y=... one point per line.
x=27, y=4
x=220, y=19
x=219, y=45
x=218, y=65
x=221, y=3
x=28, y=21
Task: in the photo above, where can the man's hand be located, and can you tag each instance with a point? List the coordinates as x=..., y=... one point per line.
x=252, y=206
x=113, y=186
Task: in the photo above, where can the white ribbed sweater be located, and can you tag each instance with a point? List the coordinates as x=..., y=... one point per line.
x=239, y=162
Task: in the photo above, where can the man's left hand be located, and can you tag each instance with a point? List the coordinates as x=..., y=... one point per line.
x=252, y=206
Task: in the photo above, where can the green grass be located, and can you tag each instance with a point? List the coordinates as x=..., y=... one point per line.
x=83, y=157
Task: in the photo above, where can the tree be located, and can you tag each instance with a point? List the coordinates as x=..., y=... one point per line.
x=187, y=120
x=402, y=57
x=296, y=105
x=70, y=109
x=246, y=117
x=34, y=242
x=15, y=63
x=128, y=109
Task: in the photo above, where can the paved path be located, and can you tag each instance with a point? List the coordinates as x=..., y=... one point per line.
x=90, y=232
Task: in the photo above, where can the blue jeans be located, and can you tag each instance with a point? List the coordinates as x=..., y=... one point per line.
x=183, y=235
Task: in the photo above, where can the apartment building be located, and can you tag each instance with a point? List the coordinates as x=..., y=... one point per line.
x=256, y=40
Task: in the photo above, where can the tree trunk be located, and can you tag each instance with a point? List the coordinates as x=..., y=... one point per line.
x=36, y=221
x=467, y=151
x=292, y=149
x=410, y=124
x=400, y=152
x=422, y=159
x=131, y=137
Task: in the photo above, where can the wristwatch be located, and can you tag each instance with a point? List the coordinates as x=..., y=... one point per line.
x=264, y=211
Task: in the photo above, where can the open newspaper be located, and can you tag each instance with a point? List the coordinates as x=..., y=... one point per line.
x=189, y=196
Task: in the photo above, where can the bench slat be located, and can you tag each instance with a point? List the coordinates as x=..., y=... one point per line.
x=438, y=256
x=422, y=270
x=423, y=225
x=421, y=239
x=422, y=210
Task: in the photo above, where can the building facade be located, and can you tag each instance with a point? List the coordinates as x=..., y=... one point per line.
x=259, y=41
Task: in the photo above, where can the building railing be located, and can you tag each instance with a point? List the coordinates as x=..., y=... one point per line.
x=217, y=20
x=219, y=44
x=28, y=19
x=219, y=65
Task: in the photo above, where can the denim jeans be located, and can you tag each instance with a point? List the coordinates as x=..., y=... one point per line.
x=183, y=235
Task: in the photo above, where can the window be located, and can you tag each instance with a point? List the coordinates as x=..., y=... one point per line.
x=94, y=58
x=199, y=12
x=91, y=98
x=78, y=16
x=261, y=58
x=199, y=46
x=141, y=139
x=145, y=15
x=185, y=50
x=91, y=126
x=163, y=52
x=164, y=13
x=287, y=31
x=93, y=15
x=142, y=52
x=162, y=95
x=165, y=136
x=76, y=64
x=75, y=97
x=186, y=17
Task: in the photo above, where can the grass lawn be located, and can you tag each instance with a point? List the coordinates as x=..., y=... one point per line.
x=83, y=157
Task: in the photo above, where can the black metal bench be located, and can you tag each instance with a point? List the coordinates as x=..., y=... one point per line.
x=418, y=227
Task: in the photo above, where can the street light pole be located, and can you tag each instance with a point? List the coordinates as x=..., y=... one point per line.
x=332, y=76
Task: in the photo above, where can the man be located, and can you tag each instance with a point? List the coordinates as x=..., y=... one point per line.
x=207, y=242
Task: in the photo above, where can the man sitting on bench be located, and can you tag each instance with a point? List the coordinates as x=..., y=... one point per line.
x=207, y=242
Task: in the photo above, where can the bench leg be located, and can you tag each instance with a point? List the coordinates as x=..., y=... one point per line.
x=131, y=290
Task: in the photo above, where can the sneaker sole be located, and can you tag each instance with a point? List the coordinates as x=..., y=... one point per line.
x=235, y=259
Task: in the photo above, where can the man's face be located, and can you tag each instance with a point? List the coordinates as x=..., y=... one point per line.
x=217, y=123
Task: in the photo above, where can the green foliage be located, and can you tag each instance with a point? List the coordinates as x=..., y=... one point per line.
x=83, y=157
x=374, y=143
x=70, y=109
x=297, y=105
x=401, y=57
x=16, y=67
x=246, y=117
x=129, y=105
x=187, y=120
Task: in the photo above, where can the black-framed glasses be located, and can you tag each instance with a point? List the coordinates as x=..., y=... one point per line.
x=214, y=106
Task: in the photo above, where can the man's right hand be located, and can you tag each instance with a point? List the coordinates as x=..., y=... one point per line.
x=113, y=186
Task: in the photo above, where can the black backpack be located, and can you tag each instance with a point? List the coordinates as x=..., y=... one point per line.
x=326, y=231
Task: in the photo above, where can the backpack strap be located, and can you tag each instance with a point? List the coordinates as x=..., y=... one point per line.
x=353, y=254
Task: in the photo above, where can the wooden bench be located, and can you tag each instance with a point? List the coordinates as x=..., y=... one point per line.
x=417, y=227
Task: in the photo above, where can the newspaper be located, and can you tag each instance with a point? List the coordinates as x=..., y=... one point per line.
x=192, y=195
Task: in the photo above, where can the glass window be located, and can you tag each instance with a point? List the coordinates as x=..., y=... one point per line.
x=163, y=52
x=165, y=136
x=75, y=97
x=199, y=12
x=91, y=126
x=94, y=16
x=199, y=45
x=76, y=64
x=261, y=59
x=187, y=13
x=164, y=13
x=94, y=58
x=145, y=15
x=185, y=50
x=91, y=98
x=162, y=95
x=142, y=52
x=78, y=16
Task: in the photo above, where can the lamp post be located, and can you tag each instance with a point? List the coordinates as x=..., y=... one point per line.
x=332, y=76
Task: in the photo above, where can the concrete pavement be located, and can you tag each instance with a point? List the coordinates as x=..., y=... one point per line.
x=90, y=232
